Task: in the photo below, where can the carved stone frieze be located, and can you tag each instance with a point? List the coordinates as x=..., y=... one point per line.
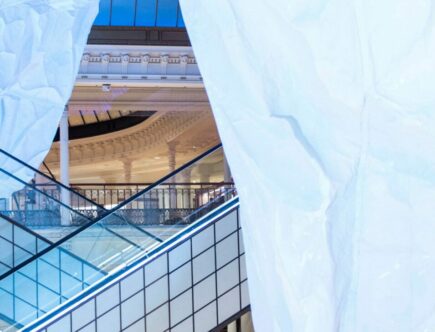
x=124, y=64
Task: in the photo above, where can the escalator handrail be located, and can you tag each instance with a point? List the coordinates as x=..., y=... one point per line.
x=44, y=193
x=112, y=211
x=40, y=237
x=28, y=230
x=163, y=179
x=52, y=179
x=192, y=229
x=78, y=212
x=54, y=244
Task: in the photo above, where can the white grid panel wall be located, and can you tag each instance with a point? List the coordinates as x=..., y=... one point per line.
x=194, y=286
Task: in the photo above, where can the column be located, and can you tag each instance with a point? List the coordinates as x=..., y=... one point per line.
x=172, y=155
x=227, y=177
x=187, y=189
x=232, y=327
x=64, y=167
x=205, y=194
x=227, y=171
x=204, y=173
x=171, y=165
x=127, y=165
x=246, y=323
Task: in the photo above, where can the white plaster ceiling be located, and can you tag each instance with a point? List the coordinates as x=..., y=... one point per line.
x=183, y=116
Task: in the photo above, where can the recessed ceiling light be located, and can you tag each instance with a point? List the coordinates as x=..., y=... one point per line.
x=156, y=158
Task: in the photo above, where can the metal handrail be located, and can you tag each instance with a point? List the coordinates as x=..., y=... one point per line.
x=166, y=177
x=189, y=231
x=24, y=228
x=113, y=194
x=44, y=193
x=104, y=215
x=46, y=177
x=127, y=184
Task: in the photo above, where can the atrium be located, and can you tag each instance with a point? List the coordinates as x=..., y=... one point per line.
x=220, y=165
x=134, y=194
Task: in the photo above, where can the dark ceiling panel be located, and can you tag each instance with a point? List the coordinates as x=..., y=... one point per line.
x=111, y=35
x=106, y=127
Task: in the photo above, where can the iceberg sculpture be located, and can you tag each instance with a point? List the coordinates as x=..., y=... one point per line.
x=41, y=44
x=326, y=113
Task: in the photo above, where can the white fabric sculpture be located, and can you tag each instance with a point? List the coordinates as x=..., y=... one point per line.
x=326, y=113
x=41, y=44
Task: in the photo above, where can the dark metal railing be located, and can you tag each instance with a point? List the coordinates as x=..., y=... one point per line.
x=179, y=195
x=41, y=205
x=41, y=196
x=168, y=203
x=45, y=182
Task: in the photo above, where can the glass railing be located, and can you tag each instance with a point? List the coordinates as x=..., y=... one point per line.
x=141, y=224
x=36, y=209
x=43, y=205
x=148, y=218
x=18, y=196
x=43, y=284
x=17, y=244
x=54, y=221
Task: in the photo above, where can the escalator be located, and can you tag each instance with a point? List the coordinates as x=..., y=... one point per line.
x=27, y=200
x=33, y=219
x=103, y=248
x=194, y=281
x=30, y=214
x=18, y=244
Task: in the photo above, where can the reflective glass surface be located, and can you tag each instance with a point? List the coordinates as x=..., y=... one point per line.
x=33, y=207
x=145, y=13
x=123, y=12
x=128, y=233
x=17, y=244
x=167, y=11
x=41, y=205
x=19, y=192
x=103, y=17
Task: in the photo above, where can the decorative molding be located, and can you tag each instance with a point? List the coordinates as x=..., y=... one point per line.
x=158, y=130
x=139, y=66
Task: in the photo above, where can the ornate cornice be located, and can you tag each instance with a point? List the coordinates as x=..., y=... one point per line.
x=159, y=129
x=139, y=65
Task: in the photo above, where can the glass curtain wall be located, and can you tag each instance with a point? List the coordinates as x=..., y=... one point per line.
x=140, y=13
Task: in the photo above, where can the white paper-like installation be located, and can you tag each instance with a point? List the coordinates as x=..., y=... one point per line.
x=326, y=109
x=41, y=44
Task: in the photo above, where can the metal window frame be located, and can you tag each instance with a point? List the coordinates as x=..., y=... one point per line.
x=93, y=292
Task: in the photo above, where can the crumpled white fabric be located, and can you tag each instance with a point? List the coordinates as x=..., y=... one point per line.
x=41, y=44
x=326, y=112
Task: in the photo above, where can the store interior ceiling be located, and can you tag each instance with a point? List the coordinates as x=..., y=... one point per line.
x=135, y=134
